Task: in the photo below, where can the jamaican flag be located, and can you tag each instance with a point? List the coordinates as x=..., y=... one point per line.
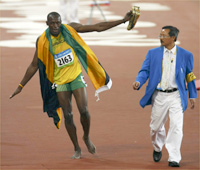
x=98, y=76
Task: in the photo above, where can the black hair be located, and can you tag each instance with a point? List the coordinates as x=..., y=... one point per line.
x=52, y=14
x=173, y=31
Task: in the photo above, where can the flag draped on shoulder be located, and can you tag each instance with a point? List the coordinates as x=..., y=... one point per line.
x=98, y=76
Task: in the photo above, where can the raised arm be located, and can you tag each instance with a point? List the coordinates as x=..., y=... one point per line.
x=102, y=26
x=31, y=70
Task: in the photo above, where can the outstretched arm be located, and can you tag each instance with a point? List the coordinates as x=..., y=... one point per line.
x=31, y=70
x=102, y=26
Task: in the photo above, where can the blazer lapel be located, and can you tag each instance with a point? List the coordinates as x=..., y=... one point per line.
x=160, y=59
x=178, y=60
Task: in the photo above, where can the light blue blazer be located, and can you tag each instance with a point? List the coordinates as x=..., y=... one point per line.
x=152, y=70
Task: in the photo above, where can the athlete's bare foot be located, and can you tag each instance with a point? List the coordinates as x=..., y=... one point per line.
x=90, y=145
x=77, y=155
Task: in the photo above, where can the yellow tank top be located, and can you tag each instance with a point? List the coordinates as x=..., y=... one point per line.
x=66, y=64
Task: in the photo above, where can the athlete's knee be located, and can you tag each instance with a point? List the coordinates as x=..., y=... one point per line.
x=68, y=117
x=84, y=113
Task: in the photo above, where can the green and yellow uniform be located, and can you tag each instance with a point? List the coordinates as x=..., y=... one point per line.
x=66, y=66
x=67, y=69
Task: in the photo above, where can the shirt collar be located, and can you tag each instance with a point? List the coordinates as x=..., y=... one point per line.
x=173, y=50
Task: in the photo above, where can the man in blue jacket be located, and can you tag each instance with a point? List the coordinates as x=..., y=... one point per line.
x=168, y=68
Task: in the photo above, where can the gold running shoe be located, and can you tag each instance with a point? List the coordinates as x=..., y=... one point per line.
x=134, y=18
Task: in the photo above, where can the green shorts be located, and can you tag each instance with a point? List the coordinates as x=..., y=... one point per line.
x=76, y=84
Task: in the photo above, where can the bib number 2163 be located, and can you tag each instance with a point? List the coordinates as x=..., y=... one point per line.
x=64, y=58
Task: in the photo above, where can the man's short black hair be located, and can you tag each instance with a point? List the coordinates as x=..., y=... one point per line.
x=173, y=31
x=52, y=14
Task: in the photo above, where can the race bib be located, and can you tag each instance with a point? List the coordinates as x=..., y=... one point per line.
x=64, y=58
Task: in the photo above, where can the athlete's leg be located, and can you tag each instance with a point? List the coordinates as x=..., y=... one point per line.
x=80, y=95
x=64, y=98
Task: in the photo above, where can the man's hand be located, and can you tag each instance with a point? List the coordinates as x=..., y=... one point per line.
x=192, y=101
x=136, y=85
x=18, y=90
x=128, y=16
